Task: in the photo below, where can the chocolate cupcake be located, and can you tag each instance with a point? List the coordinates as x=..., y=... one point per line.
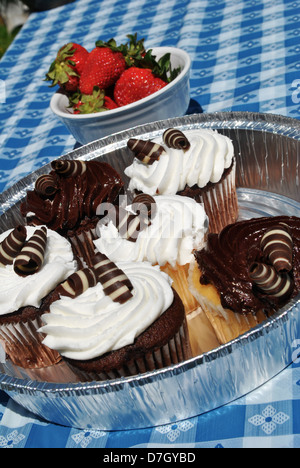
x=33, y=261
x=115, y=320
x=199, y=164
x=70, y=193
x=163, y=230
x=247, y=273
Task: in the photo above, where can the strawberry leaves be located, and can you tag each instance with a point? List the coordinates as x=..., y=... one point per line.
x=161, y=68
x=136, y=56
x=132, y=51
x=67, y=66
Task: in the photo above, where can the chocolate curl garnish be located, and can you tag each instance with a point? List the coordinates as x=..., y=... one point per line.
x=115, y=283
x=174, y=138
x=31, y=257
x=146, y=151
x=78, y=283
x=46, y=185
x=143, y=204
x=69, y=168
x=129, y=225
x=277, y=245
x=270, y=282
x=12, y=245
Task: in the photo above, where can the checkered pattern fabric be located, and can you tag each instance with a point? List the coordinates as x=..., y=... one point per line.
x=245, y=57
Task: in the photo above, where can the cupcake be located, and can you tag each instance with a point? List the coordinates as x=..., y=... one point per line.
x=70, y=193
x=247, y=273
x=163, y=230
x=116, y=320
x=33, y=261
x=199, y=164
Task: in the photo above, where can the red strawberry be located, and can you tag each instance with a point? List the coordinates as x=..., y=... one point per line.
x=72, y=84
x=109, y=103
x=76, y=107
x=102, y=69
x=135, y=84
x=67, y=67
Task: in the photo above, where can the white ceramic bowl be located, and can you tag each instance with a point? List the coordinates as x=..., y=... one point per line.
x=171, y=101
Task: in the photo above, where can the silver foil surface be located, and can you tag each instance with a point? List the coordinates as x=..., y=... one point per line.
x=268, y=163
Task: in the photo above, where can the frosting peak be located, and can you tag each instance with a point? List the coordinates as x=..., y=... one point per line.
x=178, y=226
x=204, y=160
x=17, y=291
x=93, y=324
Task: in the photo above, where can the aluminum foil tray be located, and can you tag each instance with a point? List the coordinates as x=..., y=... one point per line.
x=268, y=154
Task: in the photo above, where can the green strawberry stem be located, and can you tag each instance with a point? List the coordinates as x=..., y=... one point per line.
x=136, y=56
x=161, y=68
x=60, y=70
x=88, y=104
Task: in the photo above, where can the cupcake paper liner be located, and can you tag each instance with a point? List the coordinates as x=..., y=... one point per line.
x=23, y=344
x=202, y=335
x=227, y=324
x=179, y=275
x=220, y=201
x=175, y=351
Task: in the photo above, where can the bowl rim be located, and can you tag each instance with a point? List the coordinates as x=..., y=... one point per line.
x=58, y=95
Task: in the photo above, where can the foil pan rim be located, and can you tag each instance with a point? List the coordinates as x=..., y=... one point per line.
x=272, y=123
x=242, y=120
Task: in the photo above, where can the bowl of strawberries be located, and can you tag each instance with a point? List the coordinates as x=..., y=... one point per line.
x=117, y=87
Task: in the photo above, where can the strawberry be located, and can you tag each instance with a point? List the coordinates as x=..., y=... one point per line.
x=109, y=103
x=71, y=85
x=107, y=62
x=76, y=107
x=102, y=69
x=135, y=84
x=67, y=67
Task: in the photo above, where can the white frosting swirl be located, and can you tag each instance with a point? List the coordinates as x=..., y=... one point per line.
x=177, y=228
x=209, y=155
x=92, y=324
x=17, y=291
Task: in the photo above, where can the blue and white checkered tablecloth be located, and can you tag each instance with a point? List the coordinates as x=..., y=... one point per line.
x=245, y=57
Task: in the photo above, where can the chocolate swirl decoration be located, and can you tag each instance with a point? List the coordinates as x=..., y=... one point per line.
x=225, y=261
x=77, y=198
x=174, y=138
x=115, y=283
x=69, y=168
x=12, y=245
x=46, y=185
x=31, y=257
x=129, y=224
x=277, y=245
x=146, y=151
x=269, y=281
x=78, y=283
x=144, y=204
